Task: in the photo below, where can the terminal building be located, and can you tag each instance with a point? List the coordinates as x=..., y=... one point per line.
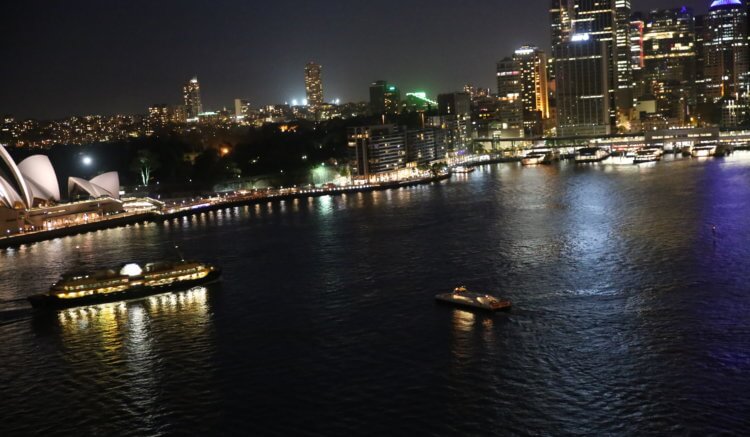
x=30, y=196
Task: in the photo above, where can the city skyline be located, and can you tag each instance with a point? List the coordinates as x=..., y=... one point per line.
x=133, y=68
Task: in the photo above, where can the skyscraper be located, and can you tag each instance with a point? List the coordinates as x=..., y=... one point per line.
x=669, y=61
x=726, y=50
x=532, y=63
x=509, y=89
x=191, y=94
x=605, y=21
x=582, y=68
x=314, y=85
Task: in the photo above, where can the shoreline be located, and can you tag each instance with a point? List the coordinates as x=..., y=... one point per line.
x=154, y=216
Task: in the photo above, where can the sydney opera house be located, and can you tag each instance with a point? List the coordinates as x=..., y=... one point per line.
x=30, y=196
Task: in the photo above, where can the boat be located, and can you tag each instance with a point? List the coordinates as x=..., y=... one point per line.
x=533, y=158
x=703, y=151
x=463, y=297
x=460, y=169
x=622, y=157
x=540, y=156
x=129, y=281
x=591, y=154
x=648, y=155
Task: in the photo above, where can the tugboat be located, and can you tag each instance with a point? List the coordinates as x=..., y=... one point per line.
x=129, y=281
x=463, y=297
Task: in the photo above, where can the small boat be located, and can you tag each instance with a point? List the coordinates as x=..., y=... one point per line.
x=460, y=169
x=463, y=297
x=648, y=155
x=704, y=151
x=591, y=154
x=129, y=281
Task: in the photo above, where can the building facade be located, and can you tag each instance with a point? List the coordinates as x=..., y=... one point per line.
x=314, y=85
x=191, y=95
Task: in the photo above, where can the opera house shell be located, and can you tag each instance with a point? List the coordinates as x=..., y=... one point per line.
x=30, y=194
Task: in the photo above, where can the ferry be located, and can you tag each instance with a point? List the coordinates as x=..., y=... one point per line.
x=703, y=151
x=534, y=158
x=540, y=155
x=463, y=297
x=621, y=158
x=591, y=154
x=647, y=155
x=129, y=281
x=460, y=169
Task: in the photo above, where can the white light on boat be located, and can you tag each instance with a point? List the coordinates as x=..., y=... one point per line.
x=131, y=270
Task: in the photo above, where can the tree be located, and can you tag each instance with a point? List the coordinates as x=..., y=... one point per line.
x=144, y=164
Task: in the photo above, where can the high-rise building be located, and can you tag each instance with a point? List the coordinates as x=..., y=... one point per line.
x=582, y=66
x=669, y=62
x=385, y=98
x=532, y=63
x=454, y=104
x=314, y=85
x=509, y=89
x=603, y=21
x=726, y=63
x=191, y=94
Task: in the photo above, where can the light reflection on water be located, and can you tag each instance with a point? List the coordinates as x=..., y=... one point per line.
x=627, y=319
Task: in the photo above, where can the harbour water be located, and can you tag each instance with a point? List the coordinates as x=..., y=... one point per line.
x=630, y=284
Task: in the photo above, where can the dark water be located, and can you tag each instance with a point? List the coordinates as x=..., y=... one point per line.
x=631, y=315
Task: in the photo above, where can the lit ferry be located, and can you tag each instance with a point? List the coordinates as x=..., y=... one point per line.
x=460, y=169
x=703, y=151
x=130, y=281
x=591, y=154
x=463, y=297
x=648, y=155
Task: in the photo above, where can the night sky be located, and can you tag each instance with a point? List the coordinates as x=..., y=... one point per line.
x=78, y=57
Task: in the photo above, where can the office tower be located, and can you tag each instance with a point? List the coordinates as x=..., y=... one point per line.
x=582, y=66
x=669, y=62
x=314, y=85
x=532, y=63
x=726, y=50
x=561, y=22
x=510, y=105
x=604, y=21
x=385, y=98
x=454, y=104
x=191, y=94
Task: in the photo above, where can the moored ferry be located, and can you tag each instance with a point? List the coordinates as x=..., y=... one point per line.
x=130, y=281
x=704, y=151
x=591, y=154
x=648, y=155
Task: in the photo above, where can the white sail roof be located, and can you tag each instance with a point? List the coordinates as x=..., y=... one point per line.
x=107, y=184
x=9, y=197
x=40, y=177
x=15, y=174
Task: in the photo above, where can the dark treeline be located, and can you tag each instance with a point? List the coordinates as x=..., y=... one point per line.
x=277, y=153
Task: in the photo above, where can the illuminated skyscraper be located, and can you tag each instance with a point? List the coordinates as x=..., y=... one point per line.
x=191, y=94
x=669, y=61
x=726, y=50
x=314, y=85
x=509, y=90
x=604, y=21
x=532, y=63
